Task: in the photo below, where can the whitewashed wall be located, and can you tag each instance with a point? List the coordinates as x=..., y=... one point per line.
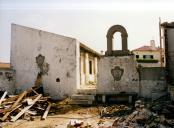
x=61, y=53
x=129, y=81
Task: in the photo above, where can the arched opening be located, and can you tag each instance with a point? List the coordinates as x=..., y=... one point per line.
x=117, y=45
x=110, y=35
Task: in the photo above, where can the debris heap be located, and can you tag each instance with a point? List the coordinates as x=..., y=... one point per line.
x=25, y=105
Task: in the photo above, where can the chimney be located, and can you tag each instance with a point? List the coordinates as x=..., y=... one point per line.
x=152, y=44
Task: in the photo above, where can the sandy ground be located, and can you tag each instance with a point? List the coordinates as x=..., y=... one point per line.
x=59, y=121
x=87, y=115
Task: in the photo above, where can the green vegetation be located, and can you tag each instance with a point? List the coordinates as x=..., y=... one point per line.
x=147, y=60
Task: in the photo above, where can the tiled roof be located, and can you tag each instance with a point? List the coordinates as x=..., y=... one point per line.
x=89, y=49
x=146, y=48
x=4, y=65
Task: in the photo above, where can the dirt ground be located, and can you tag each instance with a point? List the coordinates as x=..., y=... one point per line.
x=141, y=115
x=61, y=115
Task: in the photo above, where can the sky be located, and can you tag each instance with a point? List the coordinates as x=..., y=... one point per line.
x=86, y=20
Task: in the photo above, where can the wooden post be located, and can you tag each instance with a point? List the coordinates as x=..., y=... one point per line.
x=46, y=112
x=3, y=96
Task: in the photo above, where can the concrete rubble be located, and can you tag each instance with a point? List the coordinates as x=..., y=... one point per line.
x=141, y=115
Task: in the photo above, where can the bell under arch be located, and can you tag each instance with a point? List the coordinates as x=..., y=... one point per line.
x=110, y=51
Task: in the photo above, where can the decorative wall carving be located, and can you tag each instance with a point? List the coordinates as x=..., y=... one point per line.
x=117, y=73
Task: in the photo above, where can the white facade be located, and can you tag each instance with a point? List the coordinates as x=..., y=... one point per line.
x=128, y=81
x=61, y=53
x=155, y=54
x=150, y=56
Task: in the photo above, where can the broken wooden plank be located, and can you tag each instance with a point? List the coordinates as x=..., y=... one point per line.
x=29, y=101
x=3, y=96
x=8, y=102
x=26, y=108
x=14, y=105
x=11, y=99
x=34, y=91
x=46, y=111
x=31, y=112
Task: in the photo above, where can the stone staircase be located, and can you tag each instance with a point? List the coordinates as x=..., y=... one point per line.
x=83, y=97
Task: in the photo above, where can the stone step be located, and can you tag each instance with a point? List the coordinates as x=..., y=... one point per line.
x=82, y=97
x=81, y=102
x=86, y=91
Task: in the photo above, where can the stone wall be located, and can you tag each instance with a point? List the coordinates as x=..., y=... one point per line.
x=7, y=80
x=153, y=82
x=61, y=60
x=118, y=74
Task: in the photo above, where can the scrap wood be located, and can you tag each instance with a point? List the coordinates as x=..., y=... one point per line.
x=11, y=110
x=7, y=102
x=14, y=105
x=29, y=101
x=10, y=99
x=29, y=97
x=26, y=108
x=3, y=96
x=46, y=112
x=31, y=112
x=34, y=91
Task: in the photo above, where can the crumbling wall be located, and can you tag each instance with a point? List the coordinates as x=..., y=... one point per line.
x=118, y=74
x=61, y=60
x=7, y=80
x=153, y=82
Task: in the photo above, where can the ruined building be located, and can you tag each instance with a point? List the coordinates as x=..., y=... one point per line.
x=66, y=63
x=66, y=67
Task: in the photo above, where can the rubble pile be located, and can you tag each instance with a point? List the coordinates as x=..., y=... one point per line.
x=25, y=105
x=115, y=110
x=163, y=106
x=79, y=124
x=142, y=117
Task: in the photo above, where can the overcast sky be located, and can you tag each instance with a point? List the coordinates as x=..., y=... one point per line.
x=88, y=21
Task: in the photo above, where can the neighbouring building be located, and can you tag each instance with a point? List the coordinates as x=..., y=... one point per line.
x=149, y=56
x=7, y=78
x=66, y=64
x=167, y=40
x=4, y=65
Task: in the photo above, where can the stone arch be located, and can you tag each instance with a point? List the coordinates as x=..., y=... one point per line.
x=110, y=33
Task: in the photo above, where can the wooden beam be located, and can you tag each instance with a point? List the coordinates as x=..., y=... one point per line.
x=26, y=108
x=46, y=111
x=3, y=96
x=14, y=105
x=34, y=91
